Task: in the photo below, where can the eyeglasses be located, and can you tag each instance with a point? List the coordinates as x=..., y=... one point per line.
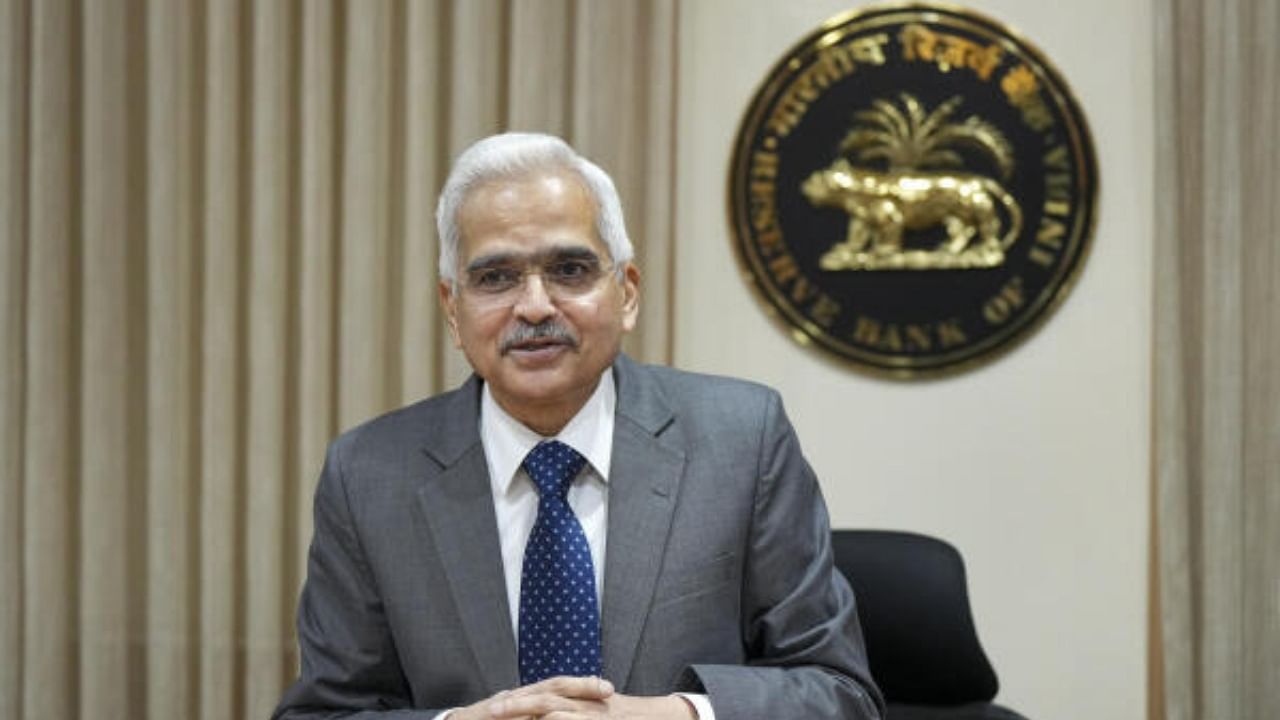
x=563, y=276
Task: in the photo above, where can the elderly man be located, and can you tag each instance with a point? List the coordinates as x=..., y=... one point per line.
x=569, y=534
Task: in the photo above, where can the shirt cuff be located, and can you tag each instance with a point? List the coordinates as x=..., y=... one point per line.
x=701, y=705
x=444, y=715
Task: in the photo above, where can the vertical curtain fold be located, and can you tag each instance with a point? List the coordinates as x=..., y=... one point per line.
x=540, y=65
x=365, y=241
x=420, y=174
x=267, y=426
x=14, y=70
x=51, y=538
x=172, y=313
x=315, y=261
x=107, y=381
x=216, y=252
x=1217, y=360
x=1261, y=465
x=222, y=401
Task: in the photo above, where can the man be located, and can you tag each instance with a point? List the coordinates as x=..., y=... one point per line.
x=569, y=534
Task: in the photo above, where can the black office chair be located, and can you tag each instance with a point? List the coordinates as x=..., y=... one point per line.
x=914, y=605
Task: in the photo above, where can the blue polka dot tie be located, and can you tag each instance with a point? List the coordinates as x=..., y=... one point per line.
x=559, y=619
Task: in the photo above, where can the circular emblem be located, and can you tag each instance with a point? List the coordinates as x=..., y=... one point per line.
x=912, y=189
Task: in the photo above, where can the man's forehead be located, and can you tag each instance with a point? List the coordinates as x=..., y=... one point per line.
x=533, y=246
x=534, y=212
x=529, y=187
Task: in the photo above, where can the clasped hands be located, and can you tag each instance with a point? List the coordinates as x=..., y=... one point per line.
x=574, y=698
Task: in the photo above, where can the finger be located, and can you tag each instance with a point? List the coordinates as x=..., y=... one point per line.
x=482, y=710
x=540, y=704
x=495, y=706
x=529, y=704
x=495, y=709
x=585, y=688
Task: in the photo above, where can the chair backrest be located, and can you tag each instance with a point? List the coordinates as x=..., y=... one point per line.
x=913, y=602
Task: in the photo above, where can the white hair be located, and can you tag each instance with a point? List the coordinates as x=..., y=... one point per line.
x=513, y=155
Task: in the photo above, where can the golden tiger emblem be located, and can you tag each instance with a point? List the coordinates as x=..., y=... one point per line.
x=883, y=205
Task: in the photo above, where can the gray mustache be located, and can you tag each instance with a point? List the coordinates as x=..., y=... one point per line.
x=524, y=332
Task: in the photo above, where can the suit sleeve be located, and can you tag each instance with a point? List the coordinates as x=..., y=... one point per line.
x=805, y=651
x=349, y=664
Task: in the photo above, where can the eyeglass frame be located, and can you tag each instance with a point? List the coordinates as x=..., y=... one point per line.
x=543, y=261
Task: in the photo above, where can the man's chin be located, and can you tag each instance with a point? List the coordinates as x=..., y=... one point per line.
x=529, y=397
x=533, y=382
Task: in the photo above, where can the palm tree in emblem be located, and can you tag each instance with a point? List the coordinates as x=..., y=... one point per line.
x=924, y=186
x=913, y=139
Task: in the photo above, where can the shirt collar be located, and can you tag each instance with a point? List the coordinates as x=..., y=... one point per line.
x=507, y=441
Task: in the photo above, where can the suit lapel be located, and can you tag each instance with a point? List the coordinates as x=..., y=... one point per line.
x=458, y=506
x=643, y=485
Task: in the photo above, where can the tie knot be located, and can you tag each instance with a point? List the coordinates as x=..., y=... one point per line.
x=552, y=465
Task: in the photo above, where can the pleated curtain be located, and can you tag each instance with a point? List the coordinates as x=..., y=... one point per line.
x=218, y=251
x=1216, y=414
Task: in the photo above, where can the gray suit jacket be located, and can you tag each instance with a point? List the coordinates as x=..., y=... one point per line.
x=718, y=575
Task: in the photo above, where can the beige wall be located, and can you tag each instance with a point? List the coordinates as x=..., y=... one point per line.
x=1037, y=465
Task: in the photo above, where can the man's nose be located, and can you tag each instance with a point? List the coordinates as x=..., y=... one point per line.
x=534, y=303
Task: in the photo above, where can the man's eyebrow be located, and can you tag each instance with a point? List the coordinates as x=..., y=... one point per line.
x=562, y=252
x=492, y=260
x=572, y=252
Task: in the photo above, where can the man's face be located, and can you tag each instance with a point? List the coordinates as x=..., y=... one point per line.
x=537, y=308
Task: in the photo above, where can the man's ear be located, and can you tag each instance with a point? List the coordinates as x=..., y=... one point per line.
x=630, y=296
x=448, y=301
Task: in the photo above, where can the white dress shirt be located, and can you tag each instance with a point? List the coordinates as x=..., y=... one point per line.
x=507, y=441
x=515, y=499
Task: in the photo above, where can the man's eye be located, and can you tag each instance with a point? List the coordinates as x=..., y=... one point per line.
x=495, y=278
x=570, y=271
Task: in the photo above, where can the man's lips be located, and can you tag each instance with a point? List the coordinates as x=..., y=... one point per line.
x=542, y=338
x=539, y=345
